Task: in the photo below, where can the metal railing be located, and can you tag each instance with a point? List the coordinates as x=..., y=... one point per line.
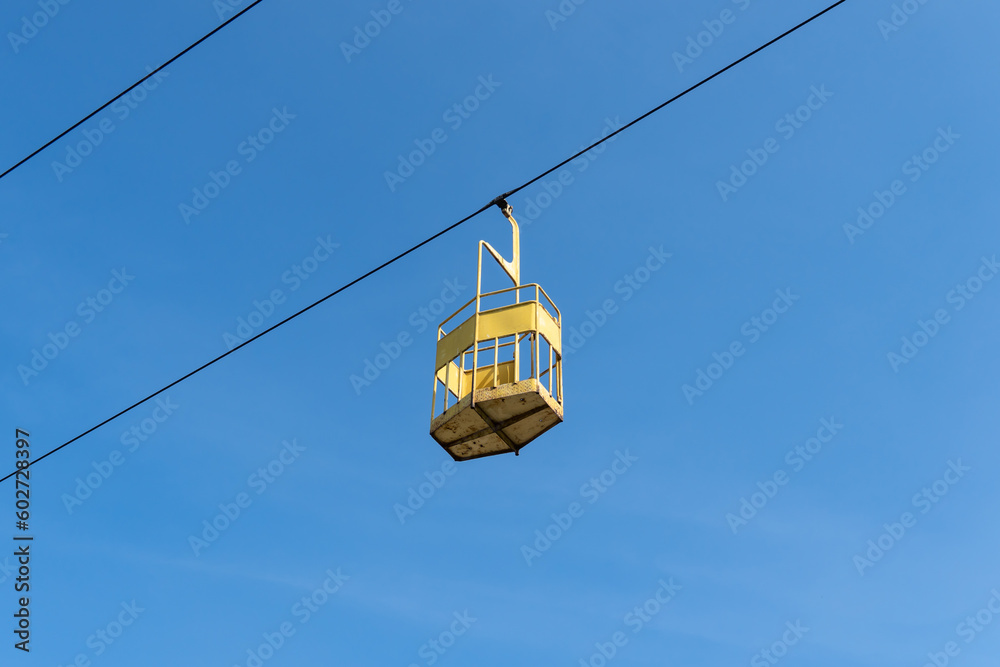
x=479, y=297
x=467, y=382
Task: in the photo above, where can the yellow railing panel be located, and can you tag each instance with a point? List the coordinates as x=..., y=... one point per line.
x=485, y=378
x=508, y=320
x=459, y=340
x=453, y=379
x=547, y=327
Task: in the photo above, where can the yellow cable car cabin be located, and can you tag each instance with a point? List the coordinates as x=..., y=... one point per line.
x=498, y=373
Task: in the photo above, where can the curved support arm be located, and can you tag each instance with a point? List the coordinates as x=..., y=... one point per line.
x=513, y=267
x=508, y=212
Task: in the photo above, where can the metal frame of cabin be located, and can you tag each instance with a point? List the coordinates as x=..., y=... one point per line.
x=516, y=394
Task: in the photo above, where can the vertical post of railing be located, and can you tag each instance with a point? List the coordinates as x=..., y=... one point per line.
x=461, y=376
x=559, y=366
x=475, y=335
x=550, y=368
x=517, y=357
x=434, y=398
x=534, y=355
x=434, y=395
x=447, y=381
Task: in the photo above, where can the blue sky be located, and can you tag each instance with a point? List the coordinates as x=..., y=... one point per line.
x=810, y=499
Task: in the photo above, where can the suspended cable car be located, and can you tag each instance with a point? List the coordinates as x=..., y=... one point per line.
x=498, y=374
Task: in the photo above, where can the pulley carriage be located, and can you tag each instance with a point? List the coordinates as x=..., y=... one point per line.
x=498, y=373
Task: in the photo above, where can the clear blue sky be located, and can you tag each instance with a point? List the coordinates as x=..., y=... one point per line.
x=778, y=308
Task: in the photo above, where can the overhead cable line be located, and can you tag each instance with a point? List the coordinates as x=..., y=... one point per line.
x=498, y=201
x=247, y=342
x=129, y=90
x=673, y=99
